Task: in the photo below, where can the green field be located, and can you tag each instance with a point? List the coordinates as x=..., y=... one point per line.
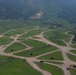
x=5, y=40
x=74, y=46
x=43, y=52
x=55, y=62
x=11, y=66
x=34, y=43
x=15, y=31
x=30, y=34
x=55, y=55
x=52, y=69
x=36, y=51
x=73, y=71
x=3, y=57
x=73, y=51
x=15, y=47
x=57, y=37
x=71, y=57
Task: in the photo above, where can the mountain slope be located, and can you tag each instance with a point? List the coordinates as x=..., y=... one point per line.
x=41, y=9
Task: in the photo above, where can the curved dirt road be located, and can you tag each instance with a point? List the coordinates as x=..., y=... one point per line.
x=64, y=50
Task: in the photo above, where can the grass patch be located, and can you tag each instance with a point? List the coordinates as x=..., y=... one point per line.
x=36, y=51
x=54, y=62
x=73, y=71
x=15, y=47
x=5, y=40
x=30, y=34
x=74, y=42
x=71, y=57
x=18, y=67
x=74, y=46
x=52, y=69
x=6, y=61
x=53, y=56
x=34, y=43
x=2, y=57
x=73, y=51
x=14, y=32
x=57, y=36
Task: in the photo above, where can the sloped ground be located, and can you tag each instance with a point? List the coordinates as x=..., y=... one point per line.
x=43, y=49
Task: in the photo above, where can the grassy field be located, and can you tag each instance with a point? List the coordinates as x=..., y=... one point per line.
x=55, y=55
x=74, y=46
x=15, y=47
x=2, y=57
x=11, y=66
x=52, y=69
x=71, y=57
x=54, y=62
x=57, y=37
x=73, y=51
x=34, y=43
x=5, y=40
x=30, y=34
x=15, y=31
x=36, y=51
x=8, y=25
x=73, y=71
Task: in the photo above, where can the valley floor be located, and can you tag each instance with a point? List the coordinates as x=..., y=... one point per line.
x=61, y=63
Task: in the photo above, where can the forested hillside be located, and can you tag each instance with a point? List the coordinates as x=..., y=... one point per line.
x=38, y=9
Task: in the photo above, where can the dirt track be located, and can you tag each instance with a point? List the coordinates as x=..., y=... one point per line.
x=64, y=49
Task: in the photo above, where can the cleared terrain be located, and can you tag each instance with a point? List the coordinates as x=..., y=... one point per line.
x=31, y=50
